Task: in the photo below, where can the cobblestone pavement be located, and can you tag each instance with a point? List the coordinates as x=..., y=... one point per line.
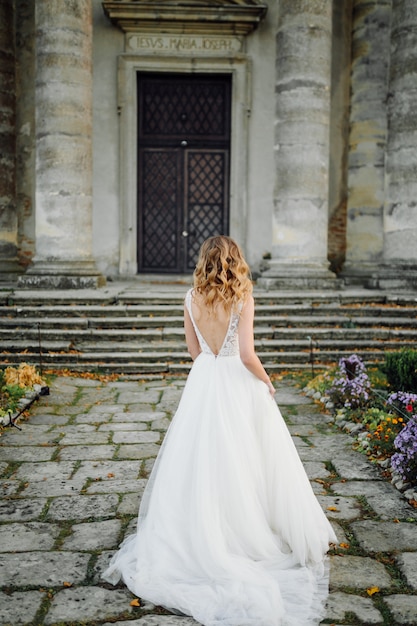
x=72, y=478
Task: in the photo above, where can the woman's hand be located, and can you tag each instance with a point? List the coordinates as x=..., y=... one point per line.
x=271, y=388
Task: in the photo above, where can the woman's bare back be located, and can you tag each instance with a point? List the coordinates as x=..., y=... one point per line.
x=213, y=326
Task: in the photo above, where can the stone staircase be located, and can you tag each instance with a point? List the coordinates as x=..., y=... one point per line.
x=138, y=329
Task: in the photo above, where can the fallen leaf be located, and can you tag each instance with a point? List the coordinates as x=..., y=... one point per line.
x=110, y=475
x=333, y=508
x=67, y=584
x=135, y=602
x=371, y=590
x=344, y=545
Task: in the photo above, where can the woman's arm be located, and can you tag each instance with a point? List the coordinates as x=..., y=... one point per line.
x=246, y=344
x=190, y=337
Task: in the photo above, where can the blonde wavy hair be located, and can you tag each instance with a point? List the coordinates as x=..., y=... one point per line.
x=222, y=275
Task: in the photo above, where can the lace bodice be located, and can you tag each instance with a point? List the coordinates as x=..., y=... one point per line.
x=230, y=345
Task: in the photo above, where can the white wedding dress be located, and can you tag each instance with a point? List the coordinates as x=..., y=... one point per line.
x=229, y=529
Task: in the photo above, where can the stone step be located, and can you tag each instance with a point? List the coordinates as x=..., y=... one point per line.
x=174, y=295
x=137, y=350
x=140, y=331
x=79, y=337
x=152, y=362
x=274, y=321
x=149, y=311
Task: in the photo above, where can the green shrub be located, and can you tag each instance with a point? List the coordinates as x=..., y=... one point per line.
x=401, y=370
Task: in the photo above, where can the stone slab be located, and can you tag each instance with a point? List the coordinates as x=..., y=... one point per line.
x=129, y=504
x=385, y=536
x=138, y=451
x=392, y=507
x=28, y=536
x=290, y=397
x=158, y=620
x=118, y=486
x=149, y=396
x=403, y=608
x=339, y=604
x=19, y=607
x=33, y=438
x=340, y=508
x=162, y=423
x=80, y=438
x=303, y=430
x=123, y=426
x=101, y=564
x=43, y=568
x=104, y=407
x=315, y=469
x=357, y=572
x=407, y=562
x=21, y=510
x=94, y=419
x=27, y=453
x=170, y=400
x=130, y=437
x=50, y=419
x=353, y=466
x=81, y=453
x=8, y=488
x=365, y=488
x=85, y=604
x=51, y=488
x=93, y=536
x=45, y=470
x=66, y=508
x=137, y=416
x=107, y=470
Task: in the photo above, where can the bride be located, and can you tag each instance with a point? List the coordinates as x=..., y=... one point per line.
x=229, y=529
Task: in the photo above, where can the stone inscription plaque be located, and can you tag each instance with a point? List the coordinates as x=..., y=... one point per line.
x=202, y=44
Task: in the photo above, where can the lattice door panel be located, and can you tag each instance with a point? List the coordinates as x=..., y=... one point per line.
x=178, y=106
x=206, y=208
x=159, y=200
x=183, y=175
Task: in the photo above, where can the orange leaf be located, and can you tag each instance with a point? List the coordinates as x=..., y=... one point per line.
x=371, y=590
x=135, y=602
x=344, y=545
x=110, y=475
x=333, y=508
x=67, y=584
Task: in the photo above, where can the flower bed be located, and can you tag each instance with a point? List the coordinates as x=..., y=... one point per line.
x=382, y=421
x=18, y=387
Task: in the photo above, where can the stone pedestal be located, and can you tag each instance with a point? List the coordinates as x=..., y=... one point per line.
x=399, y=268
x=300, y=220
x=63, y=147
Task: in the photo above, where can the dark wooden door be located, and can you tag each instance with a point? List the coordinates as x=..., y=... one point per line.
x=183, y=167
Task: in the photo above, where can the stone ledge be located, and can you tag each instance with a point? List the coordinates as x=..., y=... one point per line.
x=230, y=18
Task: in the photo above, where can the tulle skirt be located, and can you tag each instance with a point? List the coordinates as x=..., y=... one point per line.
x=229, y=529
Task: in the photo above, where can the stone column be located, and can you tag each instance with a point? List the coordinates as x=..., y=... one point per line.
x=25, y=129
x=8, y=215
x=400, y=211
x=367, y=140
x=63, y=89
x=303, y=74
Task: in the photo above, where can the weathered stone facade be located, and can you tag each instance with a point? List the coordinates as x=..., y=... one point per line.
x=323, y=165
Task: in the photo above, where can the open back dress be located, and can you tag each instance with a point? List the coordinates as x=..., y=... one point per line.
x=229, y=530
